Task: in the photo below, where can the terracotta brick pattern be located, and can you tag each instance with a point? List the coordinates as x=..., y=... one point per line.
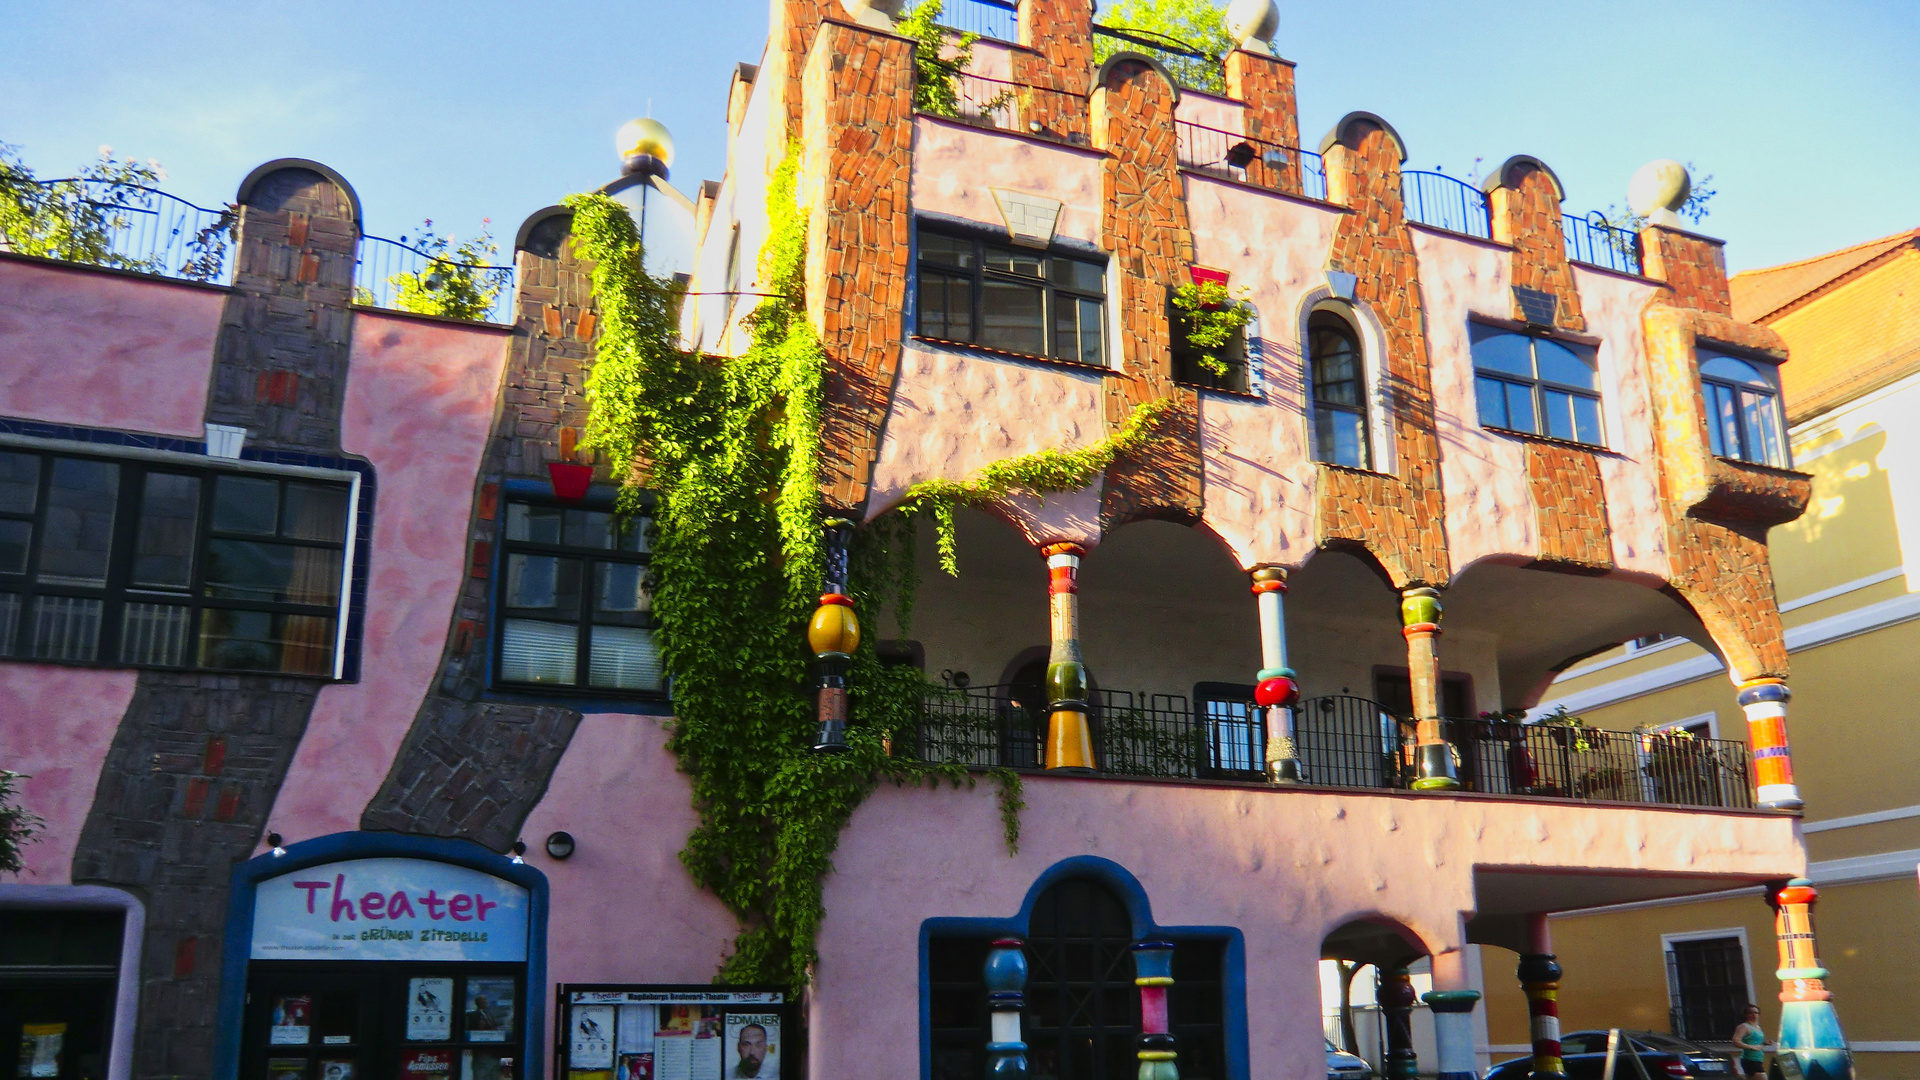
x=1526, y=214
x=1265, y=85
x=789, y=40
x=1569, y=507
x=1717, y=511
x=471, y=768
x=1399, y=518
x=1057, y=53
x=858, y=137
x=1694, y=267
x=1144, y=222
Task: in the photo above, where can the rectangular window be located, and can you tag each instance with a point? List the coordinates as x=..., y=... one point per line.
x=1020, y=300
x=142, y=564
x=575, y=608
x=1706, y=986
x=1536, y=385
x=1235, y=728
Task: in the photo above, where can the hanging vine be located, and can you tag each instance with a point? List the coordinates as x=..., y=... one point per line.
x=730, y=450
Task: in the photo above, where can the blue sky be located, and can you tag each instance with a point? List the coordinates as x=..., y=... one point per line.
x=1807, y=115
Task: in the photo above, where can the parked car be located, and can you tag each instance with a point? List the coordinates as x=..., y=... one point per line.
x=1344, y=1066
x=1666, y=1057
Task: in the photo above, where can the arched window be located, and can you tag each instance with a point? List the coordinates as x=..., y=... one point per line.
x=1743, y=409
x=1083, y=1010
x=1536, y=385
x=1339, y=391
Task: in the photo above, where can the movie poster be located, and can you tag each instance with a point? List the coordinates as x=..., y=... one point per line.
x=40, y=1049
x=426, y=1065
x=429, y=1010
x=590, y=1043
x=489, y=1009
x=753, y=1045
x=292, y=1022
x=634, y=1067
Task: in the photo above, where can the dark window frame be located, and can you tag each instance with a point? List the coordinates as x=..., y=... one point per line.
x=1707, y=986
x=1223, y=757
x=1236, y=354
x=503, y=611
x=979, y=275
x=118, y=590
x=1769, y=373
x=1538, y=386
x=1318, y=451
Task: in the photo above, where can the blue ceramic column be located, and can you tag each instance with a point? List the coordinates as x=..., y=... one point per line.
x=1006, y=995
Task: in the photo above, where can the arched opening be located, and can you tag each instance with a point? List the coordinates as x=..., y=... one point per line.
x=1372, y=970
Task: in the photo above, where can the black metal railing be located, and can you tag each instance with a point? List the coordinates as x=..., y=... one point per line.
x=1446, y=202
x=1247, y=160
x=1341, y=741
x=1190, y=65
x=133, y=227
x=382, y=260
x=1593, y=241
x=996, y=19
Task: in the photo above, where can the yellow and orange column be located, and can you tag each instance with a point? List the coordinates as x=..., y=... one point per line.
x=833, y=633
x=1420, y=622
x=1069, y=738
x=1765, y=703
x=1809, y=1028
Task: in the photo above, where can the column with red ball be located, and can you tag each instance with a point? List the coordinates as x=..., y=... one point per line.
x=1278, y=688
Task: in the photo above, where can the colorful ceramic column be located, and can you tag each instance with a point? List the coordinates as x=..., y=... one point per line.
x=1539, y=976
x=1420, y=619
x=834, y=633
x=1069, y=741
x=1153, y=974
x=1765, y=703
x=1808, y=1025
x=1396, y=997
x=1277, y=688
x=1453, y=1032
x=1006, y=996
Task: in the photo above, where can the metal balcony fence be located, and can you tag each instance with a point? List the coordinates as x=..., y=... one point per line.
x=1446, y=202
x=137, y=228
x=1013, y=106
x=1593, y=241
x=996, y=19
x=381, y=260
x=1247, y=160
x=1190, y=65
x=1341, y=741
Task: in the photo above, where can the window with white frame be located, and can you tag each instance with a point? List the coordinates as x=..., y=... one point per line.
x=151, y=562
x=1708, y=982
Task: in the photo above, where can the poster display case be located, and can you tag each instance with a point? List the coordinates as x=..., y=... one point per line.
x=673, y=1032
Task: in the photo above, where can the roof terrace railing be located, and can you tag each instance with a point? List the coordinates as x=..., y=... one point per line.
x=133, y=227
x=996, y=19
x=1341, y=741
x=1247, y=160
x=1446, y=202
x=1592, y=240
x=1190, y=65
x=382, y=260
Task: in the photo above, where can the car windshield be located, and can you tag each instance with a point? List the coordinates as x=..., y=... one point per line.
x=1666, y=1043
x=1332, y=1048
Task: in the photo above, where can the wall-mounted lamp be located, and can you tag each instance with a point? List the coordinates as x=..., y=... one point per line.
x=519, y=850
x=274, y=842
x=560, y=844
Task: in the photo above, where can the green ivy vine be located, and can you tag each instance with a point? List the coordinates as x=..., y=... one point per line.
x=729, y=447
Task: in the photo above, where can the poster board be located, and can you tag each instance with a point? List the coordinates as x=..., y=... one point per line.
x=673, y=1032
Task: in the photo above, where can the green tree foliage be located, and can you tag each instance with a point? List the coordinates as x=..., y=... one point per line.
x=73, y=219
x=1199, y=24
x=1211, y=319
x=940, y=56
x=18, y=825
x=458, y=281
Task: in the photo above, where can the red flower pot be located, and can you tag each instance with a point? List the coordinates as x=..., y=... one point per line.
x=570, y=481
x=1203, y=275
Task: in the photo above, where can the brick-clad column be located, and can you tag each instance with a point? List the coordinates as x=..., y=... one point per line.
x=791, y=26
x=470, y=769
x=1144, y=223
x=858, y=137
x=1694, y=267
x=1057, y=54
x=1399, y=518
x=1265, y=85
x=1523, y=196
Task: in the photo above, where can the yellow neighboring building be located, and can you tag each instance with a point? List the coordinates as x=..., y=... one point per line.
x=1848, y=578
